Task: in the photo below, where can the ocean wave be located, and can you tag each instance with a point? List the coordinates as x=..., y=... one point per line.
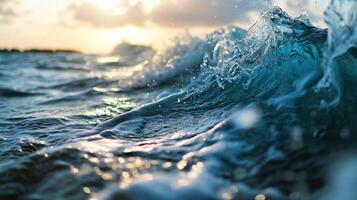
x=263, y=64
x=276, y=66
x=240, y=114
x=6, y=92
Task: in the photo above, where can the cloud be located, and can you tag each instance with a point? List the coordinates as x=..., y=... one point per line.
x=310, y=7
x=7, y=10
x=204, y=12
x=91, y=14
x=178, y=13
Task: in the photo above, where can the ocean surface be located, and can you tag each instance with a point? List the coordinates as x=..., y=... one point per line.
x=268, y=113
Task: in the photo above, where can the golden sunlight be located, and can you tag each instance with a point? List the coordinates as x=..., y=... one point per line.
x=178, y=99
x=115, y=4
x=106, y=4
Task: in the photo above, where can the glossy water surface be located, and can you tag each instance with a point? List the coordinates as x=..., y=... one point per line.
x=259, y=114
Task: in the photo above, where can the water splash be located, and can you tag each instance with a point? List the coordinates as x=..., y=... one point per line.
x=240, y=114
x=341, y=18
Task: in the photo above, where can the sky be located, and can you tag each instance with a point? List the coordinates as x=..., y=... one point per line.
x=97, y=26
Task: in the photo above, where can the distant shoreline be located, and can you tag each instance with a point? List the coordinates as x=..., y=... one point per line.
x=38, y=51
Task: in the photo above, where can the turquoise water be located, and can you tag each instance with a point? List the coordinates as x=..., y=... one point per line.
x=263, y=113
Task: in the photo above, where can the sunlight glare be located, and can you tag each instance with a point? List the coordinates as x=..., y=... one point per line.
x=150, y=4
x=113, y=4
x=106, y=4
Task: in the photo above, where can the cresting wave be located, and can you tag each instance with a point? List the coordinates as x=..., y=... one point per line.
x=239, y=115
x=279, y=62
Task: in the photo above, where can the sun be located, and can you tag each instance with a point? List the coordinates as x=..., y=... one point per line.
x=106, y=4
x=110, y=4
x=148, y=5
